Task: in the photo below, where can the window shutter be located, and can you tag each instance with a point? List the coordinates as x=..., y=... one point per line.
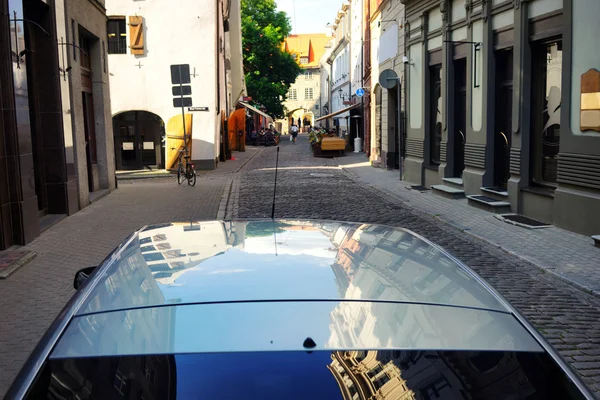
x=136, y=35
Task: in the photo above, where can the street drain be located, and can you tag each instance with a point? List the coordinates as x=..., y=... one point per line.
x=419, y=188
x=320, y=175
x=523, y=221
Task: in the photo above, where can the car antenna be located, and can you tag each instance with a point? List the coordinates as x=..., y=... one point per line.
x=273, y=206
x=275, y=186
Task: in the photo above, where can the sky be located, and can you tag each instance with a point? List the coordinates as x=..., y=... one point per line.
x=311, y=15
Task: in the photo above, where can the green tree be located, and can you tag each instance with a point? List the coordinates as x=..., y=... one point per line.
x=268, y=69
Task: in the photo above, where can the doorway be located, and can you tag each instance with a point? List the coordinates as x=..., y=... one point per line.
x=393, y=147
x=460, y=115
x=138, y=140
x=503, y=117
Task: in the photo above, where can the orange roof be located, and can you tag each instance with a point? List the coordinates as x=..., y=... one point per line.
x=311, y=45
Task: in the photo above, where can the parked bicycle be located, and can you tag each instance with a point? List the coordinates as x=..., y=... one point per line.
x=189, y=172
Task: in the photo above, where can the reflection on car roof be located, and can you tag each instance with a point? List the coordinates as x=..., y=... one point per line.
x=217, y=261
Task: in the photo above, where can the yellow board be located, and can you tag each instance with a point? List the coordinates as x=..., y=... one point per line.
x=174, y=131
x=329, y=143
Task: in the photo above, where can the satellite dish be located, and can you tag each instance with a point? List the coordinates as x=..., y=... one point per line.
x=388, y=79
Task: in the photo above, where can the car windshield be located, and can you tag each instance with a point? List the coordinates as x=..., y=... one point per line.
x=308, y=375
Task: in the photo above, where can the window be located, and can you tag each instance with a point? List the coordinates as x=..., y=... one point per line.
x=120, y=383
x=435, y=113
x=546, y=98
x=303, y=60
x=85, y=49
x=293, y=94
x=433, y=391
x=382, y=380
x=308, y=75
x=74, y=39
x=117, y=35
x=308, y=93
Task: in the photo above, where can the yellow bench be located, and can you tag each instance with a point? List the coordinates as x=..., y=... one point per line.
x=333, y=143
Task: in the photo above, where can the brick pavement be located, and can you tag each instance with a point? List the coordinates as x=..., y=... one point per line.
x=311, y=187
x=33, y=296
x=568, y=255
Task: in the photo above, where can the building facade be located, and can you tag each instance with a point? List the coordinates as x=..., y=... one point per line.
x=149, y=127
x=57, y=149
x=302, y=103
x=387, y=50
x=499, y=106
x=340, y=66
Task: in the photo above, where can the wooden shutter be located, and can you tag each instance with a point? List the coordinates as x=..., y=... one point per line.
x=136, y=35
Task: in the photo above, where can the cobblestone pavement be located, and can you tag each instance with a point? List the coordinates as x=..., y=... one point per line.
x=32, y=296
x=309, y=187
x=568, y=255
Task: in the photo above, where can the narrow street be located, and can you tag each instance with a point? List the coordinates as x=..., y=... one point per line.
x=307, y=187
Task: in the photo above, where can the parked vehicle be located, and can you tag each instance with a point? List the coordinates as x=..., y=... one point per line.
x=289, y=310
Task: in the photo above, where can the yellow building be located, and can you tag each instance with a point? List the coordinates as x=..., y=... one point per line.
x=302, y=101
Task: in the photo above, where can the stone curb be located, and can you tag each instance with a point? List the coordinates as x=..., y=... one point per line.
x=354, y=176
x=30, y=255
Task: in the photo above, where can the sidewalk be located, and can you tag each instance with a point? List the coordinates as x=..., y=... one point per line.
x=238, y=160
x=570, y=256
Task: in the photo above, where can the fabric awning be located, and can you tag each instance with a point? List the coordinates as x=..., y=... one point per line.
x=256, y=110
x=338, y=112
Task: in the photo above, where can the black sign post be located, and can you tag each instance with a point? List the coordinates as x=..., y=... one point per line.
x=180, y=74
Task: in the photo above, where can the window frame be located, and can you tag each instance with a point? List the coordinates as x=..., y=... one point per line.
x=539, y=54
x=120, y=43
x=308, y=91
x=434, y=147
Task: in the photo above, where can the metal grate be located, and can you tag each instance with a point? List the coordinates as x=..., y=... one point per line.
x=524, y=220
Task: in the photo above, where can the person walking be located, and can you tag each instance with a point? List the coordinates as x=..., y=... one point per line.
x=294, y=133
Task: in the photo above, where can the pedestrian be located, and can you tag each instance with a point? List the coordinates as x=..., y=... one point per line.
x=294, y=133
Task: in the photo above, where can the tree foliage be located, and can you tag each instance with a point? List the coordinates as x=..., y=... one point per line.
x=268, y=69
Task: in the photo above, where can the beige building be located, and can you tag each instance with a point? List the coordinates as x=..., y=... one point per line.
x=302, y=103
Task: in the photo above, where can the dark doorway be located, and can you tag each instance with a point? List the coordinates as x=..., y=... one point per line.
x=503, y=117
x=138, y=140
x=393, y=155
x=88, y=107
x=460, y=115
x=37, y=137
x=90, y=136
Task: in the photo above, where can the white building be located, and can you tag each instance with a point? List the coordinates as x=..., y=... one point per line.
x=144, y=40
x=340, y=85
x=302, y=103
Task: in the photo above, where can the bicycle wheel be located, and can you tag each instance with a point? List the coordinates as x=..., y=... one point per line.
x=191, y=175
x=180, y=174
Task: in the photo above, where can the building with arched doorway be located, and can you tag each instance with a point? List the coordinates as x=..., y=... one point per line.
x=148, y=120
x=302, y=101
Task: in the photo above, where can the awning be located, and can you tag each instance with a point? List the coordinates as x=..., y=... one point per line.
x=338, y=112
x=256, y=110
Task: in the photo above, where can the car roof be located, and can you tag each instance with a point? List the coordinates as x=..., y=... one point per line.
x=238, y=261
x=223, y=286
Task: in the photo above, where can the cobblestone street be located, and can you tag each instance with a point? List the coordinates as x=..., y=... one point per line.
x=309, y=187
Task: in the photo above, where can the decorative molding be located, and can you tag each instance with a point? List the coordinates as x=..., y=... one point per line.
x=435, y=33
x=484, y=9
x=475, y=155
x=515, y=161
x=414, y=147
x=579, y=170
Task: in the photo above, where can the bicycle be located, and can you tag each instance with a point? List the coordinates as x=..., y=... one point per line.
x=190, y=170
